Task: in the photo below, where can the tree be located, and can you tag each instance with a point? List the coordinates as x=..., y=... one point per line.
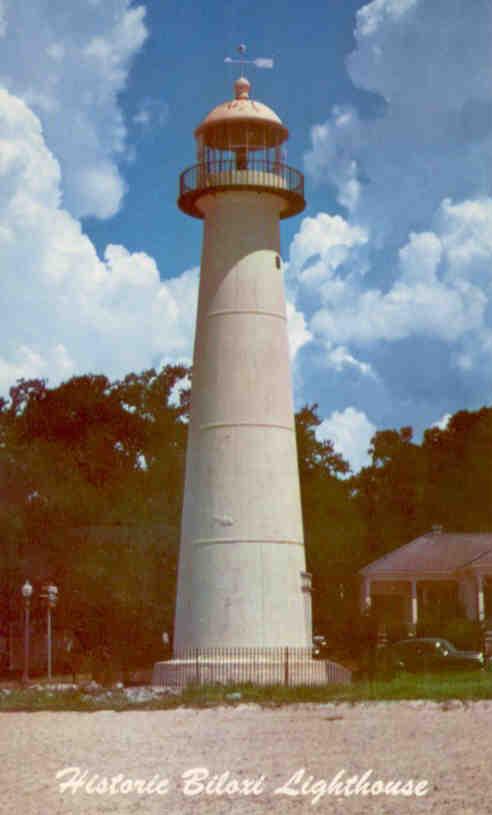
x=459, y=473
x=92, y=454
x=331, y=521
x=389, y=493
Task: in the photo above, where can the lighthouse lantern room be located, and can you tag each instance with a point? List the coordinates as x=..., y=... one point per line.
x=240, y=144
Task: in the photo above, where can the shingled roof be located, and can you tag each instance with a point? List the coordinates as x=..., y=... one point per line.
x=440, y=553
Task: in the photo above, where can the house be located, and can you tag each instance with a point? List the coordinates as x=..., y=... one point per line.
x=438, y=573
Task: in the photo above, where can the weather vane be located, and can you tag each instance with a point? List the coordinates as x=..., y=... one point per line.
x=260, y=62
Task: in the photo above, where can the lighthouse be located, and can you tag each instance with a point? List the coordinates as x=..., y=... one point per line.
x=242, y=583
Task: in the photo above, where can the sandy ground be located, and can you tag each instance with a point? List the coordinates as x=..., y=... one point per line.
x=449, y=745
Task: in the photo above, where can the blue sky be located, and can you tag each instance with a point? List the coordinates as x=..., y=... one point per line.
x=388, y=271
x=182, y=66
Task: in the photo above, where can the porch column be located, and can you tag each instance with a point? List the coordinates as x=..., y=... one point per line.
x=480, y=598
x=415, y=609
x=367, y=594
x=307, y=588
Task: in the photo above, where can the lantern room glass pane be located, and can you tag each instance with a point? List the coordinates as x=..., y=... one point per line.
x=241, y=157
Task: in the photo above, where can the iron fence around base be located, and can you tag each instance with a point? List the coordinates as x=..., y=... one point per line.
x=259, y=666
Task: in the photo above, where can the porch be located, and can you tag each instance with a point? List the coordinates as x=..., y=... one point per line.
x=409, y=601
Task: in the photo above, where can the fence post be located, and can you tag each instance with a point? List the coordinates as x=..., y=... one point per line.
x=197, y=666
x=488, y=642
x=382, y=636
x=286, y=667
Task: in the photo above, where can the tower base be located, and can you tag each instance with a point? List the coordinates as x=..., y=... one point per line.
x=258, y=666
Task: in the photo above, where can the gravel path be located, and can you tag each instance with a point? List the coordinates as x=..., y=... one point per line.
x=447, y=744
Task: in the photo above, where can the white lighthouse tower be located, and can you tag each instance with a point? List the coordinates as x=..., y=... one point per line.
x=242, y=584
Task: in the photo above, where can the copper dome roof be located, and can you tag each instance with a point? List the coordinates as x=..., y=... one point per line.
x=261, y=121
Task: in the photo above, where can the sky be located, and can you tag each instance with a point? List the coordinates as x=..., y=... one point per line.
x=388, y=271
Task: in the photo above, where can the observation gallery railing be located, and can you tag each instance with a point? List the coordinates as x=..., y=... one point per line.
x=247, y=172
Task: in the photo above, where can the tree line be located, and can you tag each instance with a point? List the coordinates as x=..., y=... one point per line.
x=91, y=480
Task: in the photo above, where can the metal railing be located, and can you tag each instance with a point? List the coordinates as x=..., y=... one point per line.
x=260, y=666
x=246, y=172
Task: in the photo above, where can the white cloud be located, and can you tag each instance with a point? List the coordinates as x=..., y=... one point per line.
x=411, y=50
x=332, y=155
x=340, y=358
x=297, y=330
x=371, y=17
x=432, y=139
x=179, y=386
x=69, y=68
x=413, y=300
x=177, y=298
x=68, y=310
x=466, y=234
x=322, y=245
x=419, y=259
x=73, y=311
x=101, y=187
x=443, y=422
x=31, y=363
x=433, y=310
x=439, y=290
x=151, y=113
x=433, y=292
x=350, y=431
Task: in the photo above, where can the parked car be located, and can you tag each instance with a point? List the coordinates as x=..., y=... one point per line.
x=429, y=654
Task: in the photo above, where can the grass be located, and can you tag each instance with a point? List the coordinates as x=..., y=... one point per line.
x=463, y=686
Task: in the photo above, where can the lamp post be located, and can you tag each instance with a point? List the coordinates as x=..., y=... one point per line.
x=26, y=594
x=50, y=594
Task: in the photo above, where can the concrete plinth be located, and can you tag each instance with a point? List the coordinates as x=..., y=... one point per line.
x=280, y=667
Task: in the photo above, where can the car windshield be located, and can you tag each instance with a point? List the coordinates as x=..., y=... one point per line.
x=444, y=645
x=407, y=646
x=424, y=646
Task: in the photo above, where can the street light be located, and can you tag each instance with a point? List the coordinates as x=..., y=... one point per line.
x=26, y=594
x=50, y=594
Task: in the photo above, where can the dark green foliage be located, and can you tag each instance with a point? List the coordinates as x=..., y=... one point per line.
x=91, y=480
x=332, y=526
x=409, y=488
x=389, y=493
x=459, y=475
